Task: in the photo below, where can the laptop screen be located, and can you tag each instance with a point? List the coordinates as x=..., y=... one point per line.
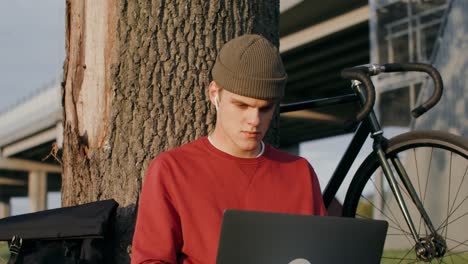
x=257, y=237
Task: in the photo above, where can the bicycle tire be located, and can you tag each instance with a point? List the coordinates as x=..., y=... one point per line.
x=399, y=247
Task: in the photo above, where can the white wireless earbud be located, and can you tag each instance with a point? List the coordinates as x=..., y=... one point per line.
x=216, y=102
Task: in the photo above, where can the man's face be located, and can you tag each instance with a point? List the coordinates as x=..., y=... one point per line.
x=241, y=121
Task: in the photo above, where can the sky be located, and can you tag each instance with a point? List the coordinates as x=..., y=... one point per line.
x=32, y=47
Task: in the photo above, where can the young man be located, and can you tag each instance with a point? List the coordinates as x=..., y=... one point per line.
x=186, y=189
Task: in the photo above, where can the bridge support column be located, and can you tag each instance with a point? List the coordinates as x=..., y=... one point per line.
x=5, y=208
x=37, y=190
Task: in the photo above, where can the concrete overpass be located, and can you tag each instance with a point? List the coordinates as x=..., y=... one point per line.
x=28, y=132
x=317, y=41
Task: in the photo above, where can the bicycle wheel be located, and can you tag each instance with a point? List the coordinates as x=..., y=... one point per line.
x=436, y=164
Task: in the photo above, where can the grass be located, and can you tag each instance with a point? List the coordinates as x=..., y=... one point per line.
x=4, y=252
x=390, y=256
x=365, y=209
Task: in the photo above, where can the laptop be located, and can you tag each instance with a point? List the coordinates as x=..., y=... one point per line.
x=250, y=237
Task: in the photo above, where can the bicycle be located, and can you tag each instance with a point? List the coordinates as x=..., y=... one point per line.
x=418, y=219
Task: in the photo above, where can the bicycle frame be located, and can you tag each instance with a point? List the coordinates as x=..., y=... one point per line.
x=378, y=148
x=345, y=163
x=369, y=126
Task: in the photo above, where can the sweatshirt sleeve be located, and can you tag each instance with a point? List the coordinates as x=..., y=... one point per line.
x=157, y=237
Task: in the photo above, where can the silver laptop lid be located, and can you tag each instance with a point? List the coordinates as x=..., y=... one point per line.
x=256, y=237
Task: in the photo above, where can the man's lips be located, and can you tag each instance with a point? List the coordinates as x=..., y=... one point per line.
x=251, y=134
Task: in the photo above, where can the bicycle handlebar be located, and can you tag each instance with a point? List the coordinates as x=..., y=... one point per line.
x=362, y=73
x=420, y=67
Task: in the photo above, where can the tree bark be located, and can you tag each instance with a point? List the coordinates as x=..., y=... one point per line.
x=135, y=80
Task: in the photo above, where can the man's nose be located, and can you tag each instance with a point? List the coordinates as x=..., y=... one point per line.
x=254, y=117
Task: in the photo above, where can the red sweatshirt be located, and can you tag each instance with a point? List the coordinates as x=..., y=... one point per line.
x=186, y=190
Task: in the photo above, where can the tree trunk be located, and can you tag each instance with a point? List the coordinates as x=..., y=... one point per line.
x=135, y=80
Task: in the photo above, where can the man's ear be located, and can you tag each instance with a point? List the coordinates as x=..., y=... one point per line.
x=213, y=91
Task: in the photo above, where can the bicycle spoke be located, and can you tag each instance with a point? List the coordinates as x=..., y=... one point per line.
x=459, y=244
x=410, y=262
x=401, y=258
x=459, y=186
x=451, y=259
x=378, y=191
x=458, y=254
x=417, y=170
x=435, y=175
x=451, y=213
x=443, y=224
x=404, y=190
x=453, y=221
x=420, y=193
x=426, y=185
x=404, y=233
x=412, y=249
x=455, y=253
x=397, y=258
x=414, y=259
x=399, y=234
x=425, y=188
x=395, y=226
x=393, y=220
x=458, y=191
x=448, y=191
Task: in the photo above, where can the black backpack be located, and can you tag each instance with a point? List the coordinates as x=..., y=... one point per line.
x=78, y=234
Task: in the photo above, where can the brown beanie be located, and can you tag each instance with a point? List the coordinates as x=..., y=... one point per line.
x=251, y=66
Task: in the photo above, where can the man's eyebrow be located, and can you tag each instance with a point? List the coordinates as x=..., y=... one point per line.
x=238, y=101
